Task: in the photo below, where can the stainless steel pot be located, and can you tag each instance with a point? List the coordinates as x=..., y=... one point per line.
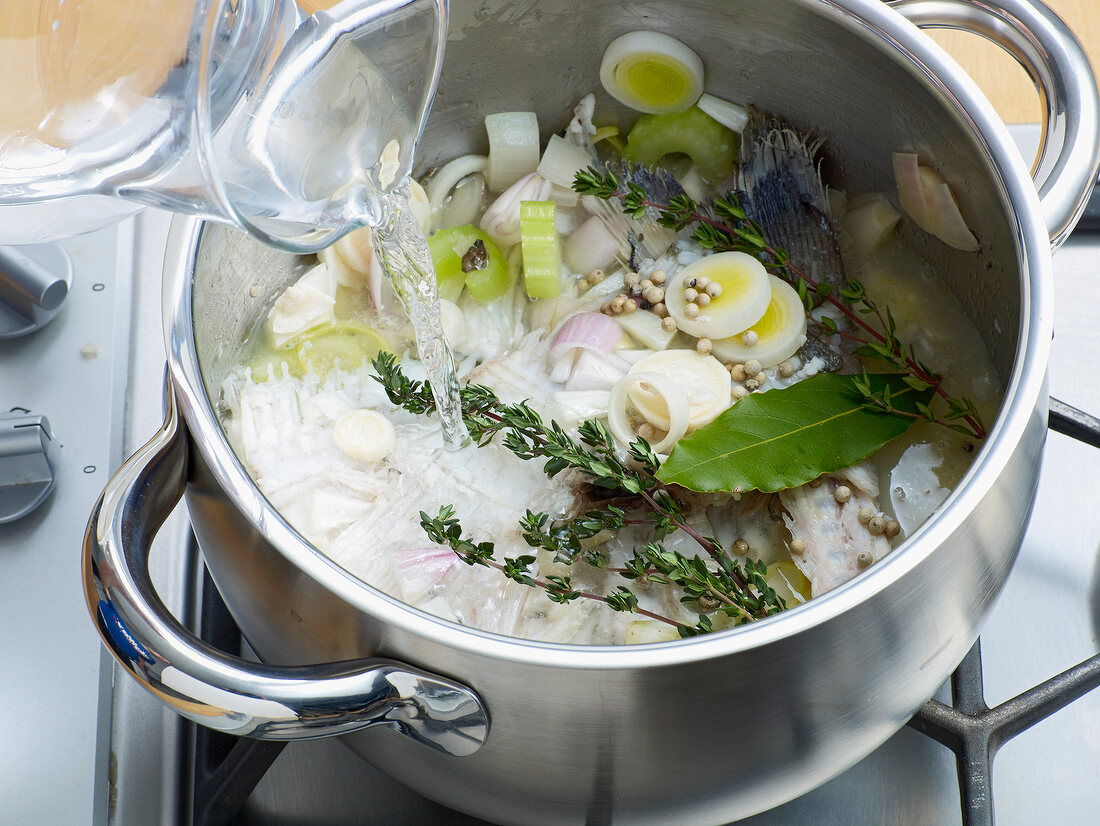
x=700, y=731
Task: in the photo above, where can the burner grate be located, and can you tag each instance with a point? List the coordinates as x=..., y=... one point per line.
x=975, y=732
x=969, y=727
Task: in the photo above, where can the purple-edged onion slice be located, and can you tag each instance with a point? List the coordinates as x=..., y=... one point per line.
x=593, y=332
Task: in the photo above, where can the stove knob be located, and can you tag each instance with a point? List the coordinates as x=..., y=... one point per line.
x=26, y=472
x=34, y=281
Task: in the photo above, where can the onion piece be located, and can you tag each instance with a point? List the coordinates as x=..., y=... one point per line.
x=653, y=237
x=645, y=328
x=357, y=250
x=592, y=246
x=694, y=185
x=513, y=147
x=655, y=384
x=943, y=211
x=596, y=371
x=420, y=206
x=306, y=304
x=594, y=297
x=562, y=160
x=910, y=190
x=501, y=219
x=443, y=181
x=869, y=221
x=640, y=632
x=730, y=115
x=632, y=356
x=564, y=196
x=562, y=367
x=928, y=200
x=701, y=381
x=652, y=72
x=346, y=275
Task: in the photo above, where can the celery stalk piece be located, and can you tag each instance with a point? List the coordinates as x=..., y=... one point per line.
x=339, y=343
x=484, y=273
x=540, y=245
x=710, y=145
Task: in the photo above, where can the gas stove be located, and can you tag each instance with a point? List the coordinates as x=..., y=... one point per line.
x=82, y=746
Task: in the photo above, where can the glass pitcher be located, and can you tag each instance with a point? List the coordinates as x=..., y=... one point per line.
x=231, y=110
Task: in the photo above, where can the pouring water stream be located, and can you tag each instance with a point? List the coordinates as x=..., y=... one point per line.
x=407, y=261
x=379, y=115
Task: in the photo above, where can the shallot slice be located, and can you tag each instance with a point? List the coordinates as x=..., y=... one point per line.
x=593, y=246
x=928, y=200
x=418, y=569
x=583, y=331
x=501, y=219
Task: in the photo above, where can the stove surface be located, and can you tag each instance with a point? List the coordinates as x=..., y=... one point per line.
x=74, y=371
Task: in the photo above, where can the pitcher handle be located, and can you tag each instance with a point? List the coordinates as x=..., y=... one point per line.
x=228, y=693
x=1069, y=150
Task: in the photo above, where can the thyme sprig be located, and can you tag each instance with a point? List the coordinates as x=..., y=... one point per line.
x=726, y=227
x=741, y=592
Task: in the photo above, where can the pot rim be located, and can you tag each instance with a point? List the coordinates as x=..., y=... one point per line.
x=1024, y=397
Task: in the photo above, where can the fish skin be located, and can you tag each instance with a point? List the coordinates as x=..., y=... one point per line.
x=815, y=347
x=779, y=186
x=832, y=532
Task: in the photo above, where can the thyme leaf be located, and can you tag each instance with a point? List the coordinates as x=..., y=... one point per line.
x=717, y=584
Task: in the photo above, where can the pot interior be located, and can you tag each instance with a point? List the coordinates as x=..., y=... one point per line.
x=819, y=66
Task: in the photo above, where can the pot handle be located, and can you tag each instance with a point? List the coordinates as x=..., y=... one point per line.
x=1069, y=153
x=228, y=693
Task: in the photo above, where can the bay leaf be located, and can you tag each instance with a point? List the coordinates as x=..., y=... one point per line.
x=786, y=437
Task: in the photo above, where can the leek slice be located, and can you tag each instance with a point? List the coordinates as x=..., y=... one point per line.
x=485, y=276
x=652, y=72
x=777, y=335
x=745, y=296
x=340, y=345
x=710, y=145
x=541, y=254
